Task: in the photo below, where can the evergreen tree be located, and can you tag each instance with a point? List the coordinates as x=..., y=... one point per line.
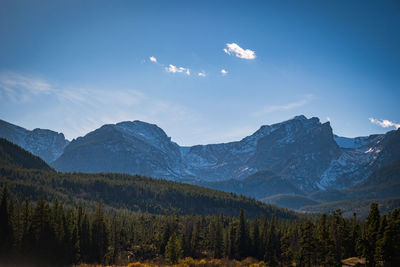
x=6, y=233
x=218, y=239
x=372, y=227
x=272, y=245
x=307, y=245
x=255, y=237
x=173, y=249
x=99, y=235
x=242, y=237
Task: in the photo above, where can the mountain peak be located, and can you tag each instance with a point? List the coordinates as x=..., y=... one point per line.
x=299, y=117
x=141, y=129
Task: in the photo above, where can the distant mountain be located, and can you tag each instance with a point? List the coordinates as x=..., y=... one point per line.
x=127, y=147
x=349, y=207
x=120, y=191
x=299, y=150
x=13, y=155
x=359, y=158
x=258, y=185
x=46, y=144
x=303, y=153
x=290, y=201
x=382, y=186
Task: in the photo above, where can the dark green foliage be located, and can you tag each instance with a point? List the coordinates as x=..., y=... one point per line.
x=51, y=234
x=11, y=154
x=371, y=235
x=136, y=193
x=147, y=219
x=307, y=243
x=173, y=249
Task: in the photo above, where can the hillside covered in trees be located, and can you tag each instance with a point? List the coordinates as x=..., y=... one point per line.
x=50, y=218
x=51, y=234
x=120, y=191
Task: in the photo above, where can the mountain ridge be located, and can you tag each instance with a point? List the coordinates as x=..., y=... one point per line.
x=302, y=151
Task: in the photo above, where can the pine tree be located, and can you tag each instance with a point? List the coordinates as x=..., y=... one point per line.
x=372, y=227
x=272, y=245
x=173, y=249
x=83, y=228
x=255, y=237
x=389, y=245
x=219, y=245
x=242, y=237
x=195, y=242
x=99, y=235
x=287, y=254
x=325, y=249
x=307, y=245
x=6, y=233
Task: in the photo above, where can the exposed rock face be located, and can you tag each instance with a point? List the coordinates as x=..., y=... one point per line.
x=299, y=150
x=126, y=147
x=304, y=152
x=47, y=144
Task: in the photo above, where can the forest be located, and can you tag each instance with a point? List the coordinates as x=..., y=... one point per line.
x=65, y=219
x=50, y=234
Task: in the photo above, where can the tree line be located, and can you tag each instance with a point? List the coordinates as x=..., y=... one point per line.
x=53, y=234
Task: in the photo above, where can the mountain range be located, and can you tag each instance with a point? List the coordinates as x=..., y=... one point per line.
x=299, y=156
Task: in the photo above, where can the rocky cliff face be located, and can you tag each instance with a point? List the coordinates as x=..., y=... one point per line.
x=47, y=144
x=299, y=150
x=302, y=151
x=126, y=147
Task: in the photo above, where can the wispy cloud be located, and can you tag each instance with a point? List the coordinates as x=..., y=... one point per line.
x=284, y=107
x=153, y=59
x=384, y=123
x=224, y=72
x=174, y=69
x=77, y=110
x=202, y=74
x=20, y=88
x=239, y=52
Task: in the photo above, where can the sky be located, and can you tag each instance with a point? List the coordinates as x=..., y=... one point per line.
x=203, y=71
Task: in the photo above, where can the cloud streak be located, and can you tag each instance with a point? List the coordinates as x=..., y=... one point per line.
x=384, y=123
x=284, y=107
x=77, y=110
x=236, y=50
x=21, y=88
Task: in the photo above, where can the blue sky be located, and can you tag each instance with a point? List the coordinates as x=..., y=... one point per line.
x=72, y=66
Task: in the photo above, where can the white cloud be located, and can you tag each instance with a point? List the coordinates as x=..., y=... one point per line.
x=328, y=118
x=284, y=107
x=239, y=52
x=384, y=123
x=202, y=74
x=175, y=69
x=153, y=59
x=224, y=72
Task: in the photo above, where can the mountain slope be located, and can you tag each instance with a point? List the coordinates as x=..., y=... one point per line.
x=126, y=147
x=120, y=191
x=13, y=155
x=303, y=152
x=259, y=185
x=299, y=150
x=384, y=182
x=46, y=144
x=358, y=162
x=290, y=201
